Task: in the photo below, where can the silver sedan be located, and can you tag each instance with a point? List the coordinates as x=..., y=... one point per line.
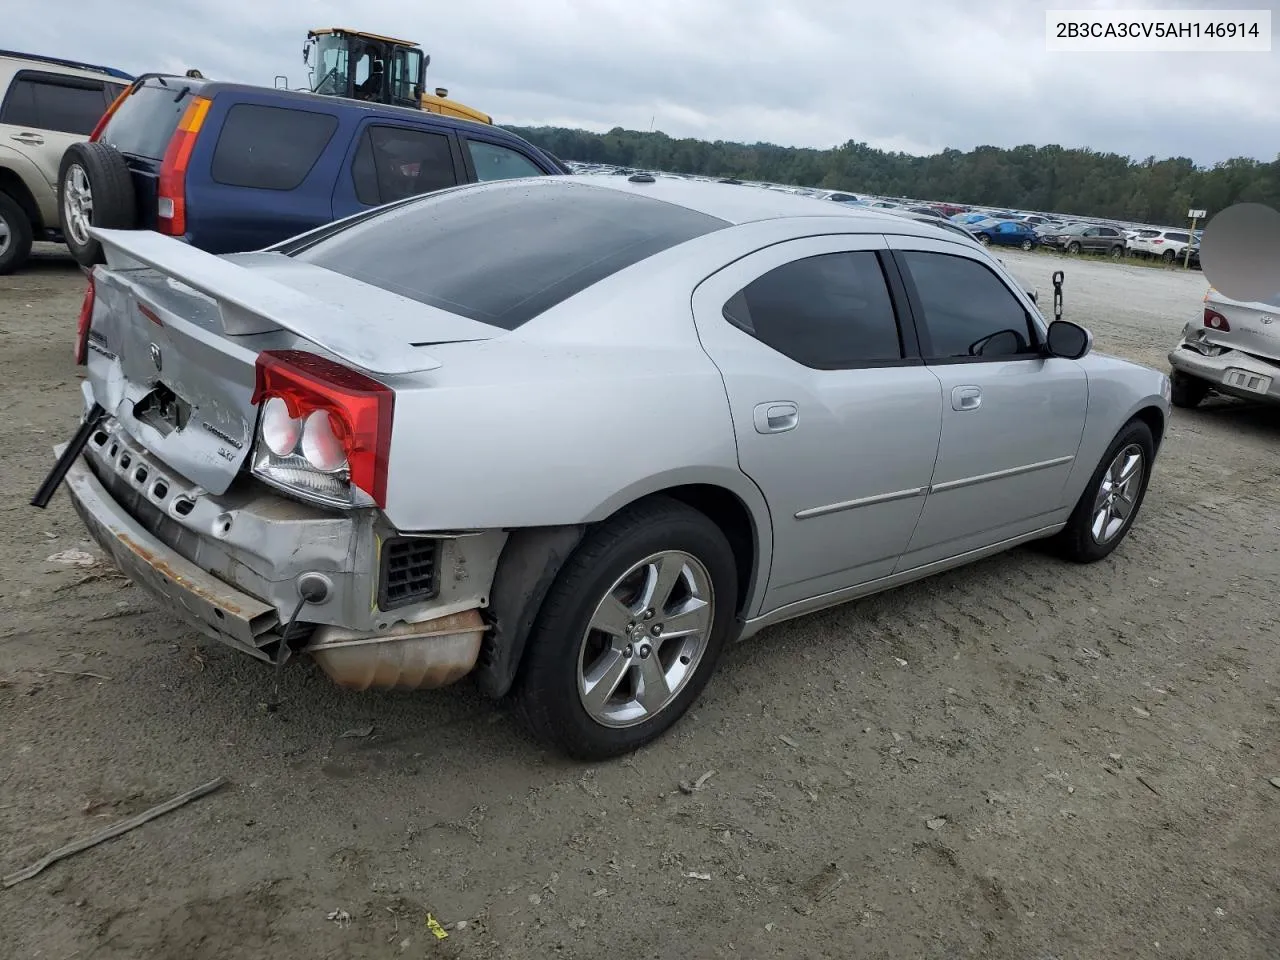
x=571, y=437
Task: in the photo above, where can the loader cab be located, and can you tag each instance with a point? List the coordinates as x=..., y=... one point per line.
x=365, y=66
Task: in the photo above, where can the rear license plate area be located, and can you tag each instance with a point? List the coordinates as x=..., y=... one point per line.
x=1247, y=380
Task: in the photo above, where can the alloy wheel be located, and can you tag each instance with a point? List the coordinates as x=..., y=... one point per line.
x=645, y=639
x=1117, y=494
x=77, y=203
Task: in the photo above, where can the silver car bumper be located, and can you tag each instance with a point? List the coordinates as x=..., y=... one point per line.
x=1231, y=372
x=230, y=566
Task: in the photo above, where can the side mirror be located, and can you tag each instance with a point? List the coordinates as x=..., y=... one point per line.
x=1068, y=340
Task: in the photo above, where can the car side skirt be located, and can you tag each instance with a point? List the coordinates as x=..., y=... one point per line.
x=812, y=605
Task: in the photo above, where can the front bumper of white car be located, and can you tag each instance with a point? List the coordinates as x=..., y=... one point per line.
x=1232, y=372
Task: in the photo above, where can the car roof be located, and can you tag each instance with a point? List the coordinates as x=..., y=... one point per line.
x=736, y=204
x=304, y=98
x=69, y=67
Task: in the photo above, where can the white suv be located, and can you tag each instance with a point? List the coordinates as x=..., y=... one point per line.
x=1166, y=244
x=46, y=104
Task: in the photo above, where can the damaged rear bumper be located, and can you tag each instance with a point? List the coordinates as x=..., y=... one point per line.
x=230, y=566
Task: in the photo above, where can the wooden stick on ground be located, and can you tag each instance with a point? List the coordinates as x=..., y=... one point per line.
x=124, y=826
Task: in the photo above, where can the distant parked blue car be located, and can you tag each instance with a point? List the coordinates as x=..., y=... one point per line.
x=964, y=219
x=1005, y=233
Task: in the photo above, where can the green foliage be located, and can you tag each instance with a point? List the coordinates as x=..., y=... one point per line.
x=1049, y=178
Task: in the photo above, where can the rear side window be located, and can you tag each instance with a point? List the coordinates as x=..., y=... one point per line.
x=145, y=121
x=270, y=148
x=40, y=101
x=392, y=163
x=829, y=312
x=493, y=162
x=1179, y=237
x=504, y=253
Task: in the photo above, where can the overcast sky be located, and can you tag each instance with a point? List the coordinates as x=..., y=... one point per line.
x=911, y=75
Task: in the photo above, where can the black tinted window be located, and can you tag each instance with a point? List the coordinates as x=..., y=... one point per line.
x=396, y=162
x=273, y=148
x=964, y=305
x=64, y=104
x=504, y=253
x=1179, y=237
x=493, y=162
x=828, y=311
x=145, y=121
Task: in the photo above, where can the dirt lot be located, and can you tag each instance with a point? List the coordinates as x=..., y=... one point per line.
x=1099, y=742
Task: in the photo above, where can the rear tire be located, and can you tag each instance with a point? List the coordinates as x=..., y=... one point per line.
x=95, y=189
x=1111, y=500
x=1169, y=256
x=15, y=235
x=569, y=654
x=1186, y=391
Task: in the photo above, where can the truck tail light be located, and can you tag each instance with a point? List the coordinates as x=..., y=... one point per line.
x=82, y=327
x=1216, y=321
x=171, y=189
x=324, y=430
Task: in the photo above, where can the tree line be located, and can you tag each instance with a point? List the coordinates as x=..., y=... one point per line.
x=1051, y=178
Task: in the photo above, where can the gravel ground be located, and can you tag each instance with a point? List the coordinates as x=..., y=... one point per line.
x=1020, y=759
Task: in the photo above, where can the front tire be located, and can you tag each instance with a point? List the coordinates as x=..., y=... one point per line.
x=1027, y=244
x=15, y=234
x=1117, y=252
x=1110, y=503
x=1073, y=247
x=95, y=189
x=630, y=632
x=984, y=240
x=1186, y=391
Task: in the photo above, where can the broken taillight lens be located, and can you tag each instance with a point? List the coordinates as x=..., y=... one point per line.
x=85, y=323
x=324, y=431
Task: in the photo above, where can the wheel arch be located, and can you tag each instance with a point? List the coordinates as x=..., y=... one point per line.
x=12, y=184
x=533, y=557
x=1154, y=418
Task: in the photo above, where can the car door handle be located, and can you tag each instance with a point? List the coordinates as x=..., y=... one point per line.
x=31, y=139
x=777, y=416
x=966, y=398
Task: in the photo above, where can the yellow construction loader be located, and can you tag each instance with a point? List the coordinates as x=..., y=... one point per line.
x=369, y=66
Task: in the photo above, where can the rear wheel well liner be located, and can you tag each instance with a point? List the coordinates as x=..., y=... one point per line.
x=532, y=558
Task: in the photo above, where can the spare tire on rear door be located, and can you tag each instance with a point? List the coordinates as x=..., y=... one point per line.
x=95, y=189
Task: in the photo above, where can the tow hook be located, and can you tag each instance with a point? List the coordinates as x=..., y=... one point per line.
x=1057, y=294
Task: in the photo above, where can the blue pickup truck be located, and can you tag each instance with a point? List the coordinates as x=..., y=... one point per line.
x=231, y=167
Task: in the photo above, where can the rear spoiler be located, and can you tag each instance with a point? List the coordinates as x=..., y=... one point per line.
x=250, y=302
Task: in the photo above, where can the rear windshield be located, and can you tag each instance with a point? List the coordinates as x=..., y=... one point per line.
x=144, y=123
x=502, y=254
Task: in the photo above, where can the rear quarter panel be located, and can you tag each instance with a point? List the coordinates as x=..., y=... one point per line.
x=598, y=401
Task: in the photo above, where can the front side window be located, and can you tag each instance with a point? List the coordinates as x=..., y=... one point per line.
x=831, y=311
x=493, y=162
x=271, y=148
x=968, y=310
x=392, y=163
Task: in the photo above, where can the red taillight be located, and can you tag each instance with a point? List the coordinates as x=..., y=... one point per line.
x=1215, y=321
x=102, y=120
x=171, y=189
x=1157, y=240
x=359, y=411
x=82, y=328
